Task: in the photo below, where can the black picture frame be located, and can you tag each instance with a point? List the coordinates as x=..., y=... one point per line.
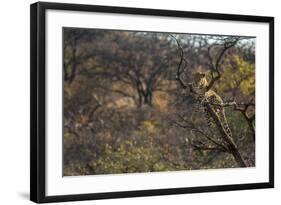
x=38, y=101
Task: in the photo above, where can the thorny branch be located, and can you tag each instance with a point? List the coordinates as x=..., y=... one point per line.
x=191, y=126
x=215, y=66
x=180, y=70
x=243, y=108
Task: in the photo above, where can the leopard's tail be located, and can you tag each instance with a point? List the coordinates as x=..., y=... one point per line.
x=208, y=117
x=225, y=124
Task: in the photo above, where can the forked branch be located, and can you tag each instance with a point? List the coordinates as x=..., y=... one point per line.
x=215, y=67
x=180, y=70
x=216, y=145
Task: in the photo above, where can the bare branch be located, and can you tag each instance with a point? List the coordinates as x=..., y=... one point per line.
x=241, y=107
x=237, y=106
x=202, y=147
x=189, y=125
x=179, y=71
x=215, y=66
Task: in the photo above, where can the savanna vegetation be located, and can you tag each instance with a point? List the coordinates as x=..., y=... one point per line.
x=128, y=106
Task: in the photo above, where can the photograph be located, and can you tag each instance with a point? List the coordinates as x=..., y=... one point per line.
x=149, y=101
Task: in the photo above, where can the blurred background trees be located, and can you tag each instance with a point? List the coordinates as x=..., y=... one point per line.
x=121, y=101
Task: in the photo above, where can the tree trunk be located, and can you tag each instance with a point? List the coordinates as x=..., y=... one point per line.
x=74, y=63
x=148, y=99
x=238, y=158
x=252, y=128
x=139, y=100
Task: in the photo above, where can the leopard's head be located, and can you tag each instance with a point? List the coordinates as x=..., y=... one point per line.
x=200, y=79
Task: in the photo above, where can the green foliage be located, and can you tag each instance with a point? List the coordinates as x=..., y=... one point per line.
x=238, y=73
x=127, y=158
x=149, y=126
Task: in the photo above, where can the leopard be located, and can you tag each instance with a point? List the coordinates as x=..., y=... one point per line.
x=209, y=100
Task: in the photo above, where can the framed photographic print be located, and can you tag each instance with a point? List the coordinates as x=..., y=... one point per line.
x=129, y=102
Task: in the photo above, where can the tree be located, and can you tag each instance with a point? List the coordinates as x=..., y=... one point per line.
x=224, y=143
x=137, y=61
